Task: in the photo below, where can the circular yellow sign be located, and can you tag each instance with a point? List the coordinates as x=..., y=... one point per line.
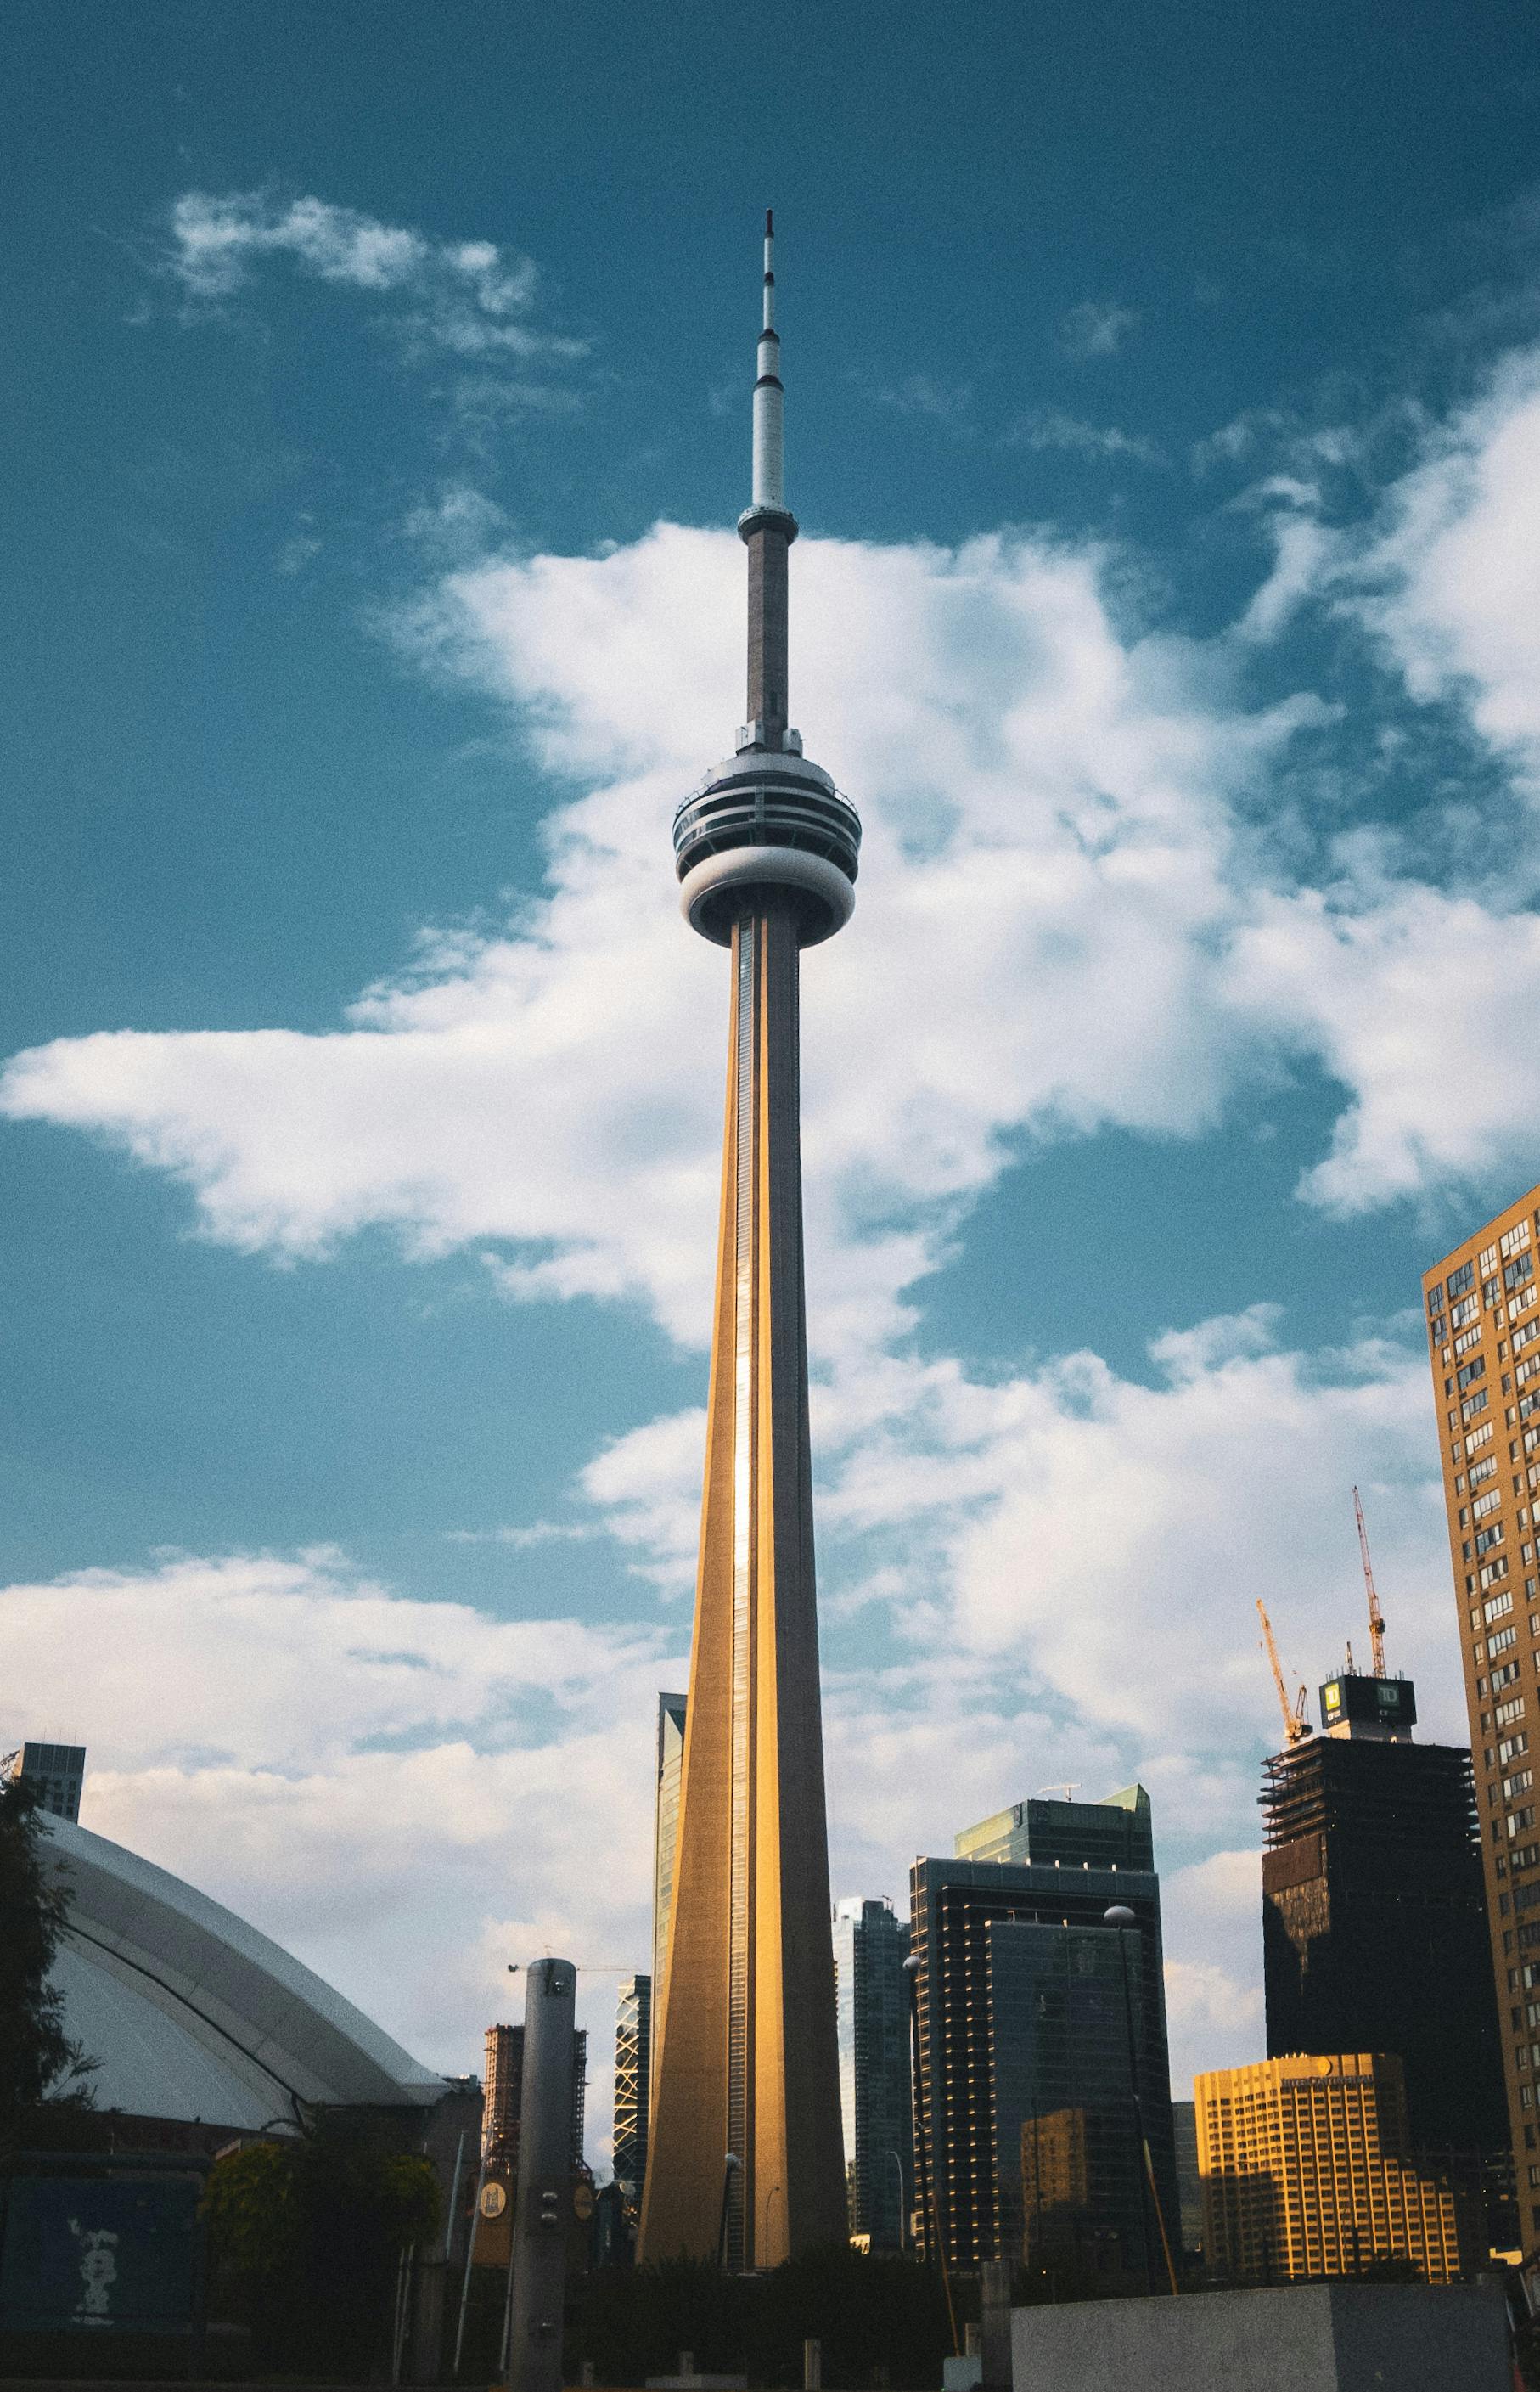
x=494, y=2199
x=582, y=2199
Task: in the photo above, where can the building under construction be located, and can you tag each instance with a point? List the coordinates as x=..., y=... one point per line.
x=1374, y=1916
x=503, y=2097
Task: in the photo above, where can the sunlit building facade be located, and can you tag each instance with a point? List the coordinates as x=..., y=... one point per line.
x=1481, y=1305
x=1305, y=2173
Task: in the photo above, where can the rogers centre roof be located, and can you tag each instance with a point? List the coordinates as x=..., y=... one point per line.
x=194, y=2014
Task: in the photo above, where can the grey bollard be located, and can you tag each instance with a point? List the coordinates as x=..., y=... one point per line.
x=544, y=2210
x=813, y=2365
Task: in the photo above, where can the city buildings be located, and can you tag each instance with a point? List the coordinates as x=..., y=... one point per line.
x=55, y=1772
x=743, y=2027
x=504, y=2092
x=1483, y=1311
x=1306, y=2172
x=633, y=2040
x=1374, y=1920
x=1023, y=2021
x=870, y=1947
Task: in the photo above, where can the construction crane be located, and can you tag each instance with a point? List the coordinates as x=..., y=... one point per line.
x=1377, y=1618
x=1296, y=1725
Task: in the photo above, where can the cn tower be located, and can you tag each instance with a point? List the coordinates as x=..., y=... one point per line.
x=745, y=2150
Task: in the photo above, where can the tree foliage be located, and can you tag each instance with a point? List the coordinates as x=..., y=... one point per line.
x=306, y=2235
x=39, y=2064
x=881, y=2320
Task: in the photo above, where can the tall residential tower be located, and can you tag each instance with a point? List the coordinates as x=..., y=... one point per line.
x=1483, y=1309
x=745, y=2145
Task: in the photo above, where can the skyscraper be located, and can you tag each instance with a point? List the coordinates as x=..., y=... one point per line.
x=870, y=1947
x=1065, y=2022
x=1483, y=1309
x=56, y=1774
x=766, y=854
x=633, y=2040
x=1306, y=2172
x=1060, y=1865
x=503, y=2098
x=1374, y=1920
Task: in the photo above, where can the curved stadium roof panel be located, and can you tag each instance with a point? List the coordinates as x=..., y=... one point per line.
x=194, y=2014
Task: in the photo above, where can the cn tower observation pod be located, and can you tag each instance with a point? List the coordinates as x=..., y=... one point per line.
x=767, y=821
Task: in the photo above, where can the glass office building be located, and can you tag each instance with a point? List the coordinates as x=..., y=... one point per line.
x=870, y=1947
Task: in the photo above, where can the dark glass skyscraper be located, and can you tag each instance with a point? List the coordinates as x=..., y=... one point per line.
x=633, y=2041
x=55, y=1772
x=987, y=2059
x=1065, y=2019
x=870, y=1947
x=1374, y=1918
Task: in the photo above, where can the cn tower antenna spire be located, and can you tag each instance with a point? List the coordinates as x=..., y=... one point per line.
x=769, y=470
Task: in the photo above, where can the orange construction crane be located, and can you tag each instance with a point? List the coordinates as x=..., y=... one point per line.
x=1377, y=1618
x=1296, y=1725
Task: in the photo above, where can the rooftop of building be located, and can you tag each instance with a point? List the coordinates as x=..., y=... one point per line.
x=193, y=2013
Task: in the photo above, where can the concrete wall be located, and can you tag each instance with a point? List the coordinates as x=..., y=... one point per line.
x=1302, y=2338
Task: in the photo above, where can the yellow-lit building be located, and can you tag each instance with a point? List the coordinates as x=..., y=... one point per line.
x=1306, y=2172
x=1481, y=1305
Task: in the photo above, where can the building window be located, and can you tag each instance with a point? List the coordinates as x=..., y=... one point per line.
x=1458, y=1281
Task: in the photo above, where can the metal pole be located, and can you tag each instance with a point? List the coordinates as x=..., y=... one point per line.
x=898, y=2170
x=469, y=2255
x=454, y=2196
x=544, y=2207
x=1120, y=1916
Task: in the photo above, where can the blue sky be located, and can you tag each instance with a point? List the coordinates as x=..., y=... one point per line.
x=1164, y=418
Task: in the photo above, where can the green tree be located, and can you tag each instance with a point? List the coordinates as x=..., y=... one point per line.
x=39, y=2064
x=306, y=2236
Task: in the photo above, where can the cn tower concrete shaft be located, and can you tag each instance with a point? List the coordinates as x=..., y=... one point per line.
x=744, y=2158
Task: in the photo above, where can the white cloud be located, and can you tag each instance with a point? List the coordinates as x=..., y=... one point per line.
x=1421, y=1003
x=1097, y=328
x=468, y=297
x=410, y=1794
x=406, y=1794
x=1045, y=892
x=1452, y=574
x=1051, y=428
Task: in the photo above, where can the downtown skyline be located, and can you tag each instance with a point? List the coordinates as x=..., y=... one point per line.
x=1164, y=600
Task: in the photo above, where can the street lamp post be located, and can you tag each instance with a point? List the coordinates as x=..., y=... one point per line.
x=1120, y=1916
x=899, y=2172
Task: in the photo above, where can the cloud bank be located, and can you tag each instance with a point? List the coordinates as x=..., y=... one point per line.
x=1085, y=902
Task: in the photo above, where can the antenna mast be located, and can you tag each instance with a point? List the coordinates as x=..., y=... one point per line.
x=1296, y=1725
x=1377, y=1618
